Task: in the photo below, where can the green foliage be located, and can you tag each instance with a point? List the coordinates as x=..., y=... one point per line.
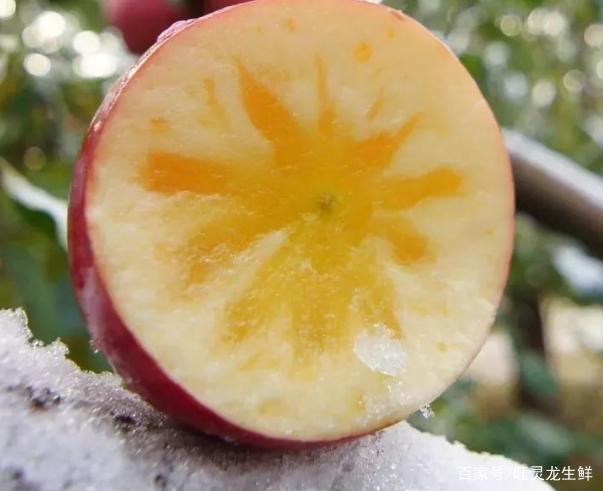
x=526, y=436
x=42, y=122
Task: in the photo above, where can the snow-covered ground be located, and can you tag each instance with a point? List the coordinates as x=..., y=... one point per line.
x=61, y=428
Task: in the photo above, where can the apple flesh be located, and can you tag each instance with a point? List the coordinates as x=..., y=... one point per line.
x=287, y=235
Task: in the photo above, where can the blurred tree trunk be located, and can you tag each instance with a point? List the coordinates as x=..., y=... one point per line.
x=537, y=387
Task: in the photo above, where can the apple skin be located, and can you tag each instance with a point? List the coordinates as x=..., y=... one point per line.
x=139, y=371
x=213, y=5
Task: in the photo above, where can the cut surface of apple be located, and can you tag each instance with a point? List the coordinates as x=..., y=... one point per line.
x=291, y=223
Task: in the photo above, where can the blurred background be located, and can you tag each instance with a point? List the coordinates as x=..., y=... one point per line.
x=535, y=393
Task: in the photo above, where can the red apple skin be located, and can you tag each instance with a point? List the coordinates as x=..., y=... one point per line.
x=141, y=21
x=213, y=5
x=140, y=372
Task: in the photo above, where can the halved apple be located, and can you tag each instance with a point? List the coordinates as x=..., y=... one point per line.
x=291, y=223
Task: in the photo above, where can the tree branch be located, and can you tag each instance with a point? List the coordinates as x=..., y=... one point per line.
x=557, y=192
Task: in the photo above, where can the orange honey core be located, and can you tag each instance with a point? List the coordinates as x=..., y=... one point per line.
x=330, y=193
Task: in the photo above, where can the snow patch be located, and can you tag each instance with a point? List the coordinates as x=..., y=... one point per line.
x=61, y=428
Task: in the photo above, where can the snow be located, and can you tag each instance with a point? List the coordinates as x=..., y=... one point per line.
x=427, y=412
x=61, y=428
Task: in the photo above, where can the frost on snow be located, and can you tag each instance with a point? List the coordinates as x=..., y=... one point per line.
x=61, y=428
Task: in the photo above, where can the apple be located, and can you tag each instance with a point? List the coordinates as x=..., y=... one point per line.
x=213, y=5
x=291, y=223
x=141, y=21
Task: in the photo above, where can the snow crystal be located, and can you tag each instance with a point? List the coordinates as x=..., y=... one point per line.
x=61, y=428
x=427, y=412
